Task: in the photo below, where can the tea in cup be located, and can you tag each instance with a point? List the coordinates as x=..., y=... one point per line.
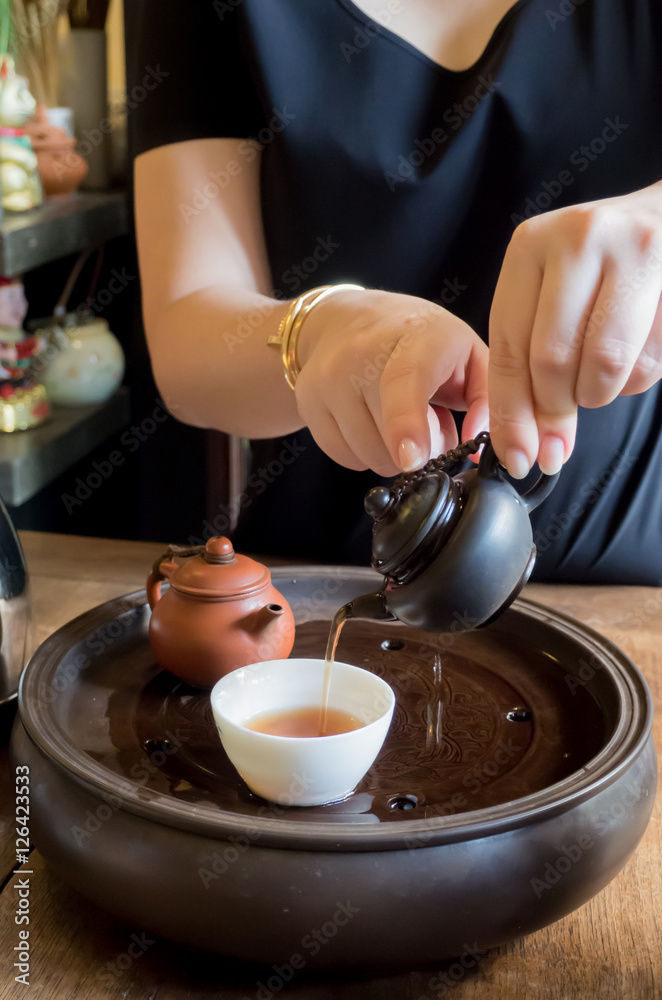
x=269, y=721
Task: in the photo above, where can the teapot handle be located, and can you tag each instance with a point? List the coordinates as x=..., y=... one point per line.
x=489, y=468
x=161, y=571
x=539, y=491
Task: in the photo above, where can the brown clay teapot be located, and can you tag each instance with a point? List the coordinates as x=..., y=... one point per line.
x=220, y=612
x=60, y=167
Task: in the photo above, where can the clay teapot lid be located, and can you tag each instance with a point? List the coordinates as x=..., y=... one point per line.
x=216, y=571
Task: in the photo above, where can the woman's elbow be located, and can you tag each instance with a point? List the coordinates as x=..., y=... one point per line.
x=172, y=377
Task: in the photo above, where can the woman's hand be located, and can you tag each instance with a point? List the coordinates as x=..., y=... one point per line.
x=380, y=372
x=576, y=321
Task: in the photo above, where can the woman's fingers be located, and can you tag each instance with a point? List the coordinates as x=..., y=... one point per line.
x=615, y=336
x=648, y=368
x=349, y=436
x=328, y=436
x=513, y=427
x=443, y=432
x=448, y=367
x=404, y=392
x=361, y=431
x=570, y=287
x=371, y=366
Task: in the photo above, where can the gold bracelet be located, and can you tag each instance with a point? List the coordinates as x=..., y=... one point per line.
x=289, y=328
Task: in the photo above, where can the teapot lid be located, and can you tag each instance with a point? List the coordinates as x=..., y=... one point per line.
x=217, y=571
x=408, y=520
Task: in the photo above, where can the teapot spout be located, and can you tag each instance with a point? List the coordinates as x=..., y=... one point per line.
x=372, y=606
x=257, y=621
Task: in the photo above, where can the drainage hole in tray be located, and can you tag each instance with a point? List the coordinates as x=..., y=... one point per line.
x=520, y=714
x=157, y=746
x=403, y=802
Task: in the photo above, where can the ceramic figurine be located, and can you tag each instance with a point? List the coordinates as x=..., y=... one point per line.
x=19, y=176
x=61, y=168
x=85, y=360
x=23, y=400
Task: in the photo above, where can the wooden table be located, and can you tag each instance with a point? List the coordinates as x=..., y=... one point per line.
x=610, y=949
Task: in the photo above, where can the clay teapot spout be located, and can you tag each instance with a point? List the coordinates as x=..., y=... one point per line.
x=258, y=622
x=267, y=630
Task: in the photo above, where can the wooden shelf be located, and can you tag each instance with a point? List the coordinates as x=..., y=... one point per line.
x=31, y=459
x=64, y=224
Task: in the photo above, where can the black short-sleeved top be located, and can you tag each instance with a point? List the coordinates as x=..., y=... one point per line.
x=381, y=167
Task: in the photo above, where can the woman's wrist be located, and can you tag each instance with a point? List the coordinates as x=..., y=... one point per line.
x=315, y=325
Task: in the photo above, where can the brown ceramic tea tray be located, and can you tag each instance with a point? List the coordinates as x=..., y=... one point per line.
x=507, y=744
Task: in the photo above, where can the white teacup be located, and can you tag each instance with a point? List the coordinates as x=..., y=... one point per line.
x=295, y=770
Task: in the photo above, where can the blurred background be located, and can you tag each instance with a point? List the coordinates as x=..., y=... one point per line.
x=86, y=445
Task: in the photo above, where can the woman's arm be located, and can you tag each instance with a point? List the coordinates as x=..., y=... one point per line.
x=207, y=306
x=373, y=361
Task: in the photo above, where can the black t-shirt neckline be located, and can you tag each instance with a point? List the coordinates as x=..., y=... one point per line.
x=392, y=36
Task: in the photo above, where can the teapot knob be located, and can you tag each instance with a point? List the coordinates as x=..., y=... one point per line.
x=377, y=502
x=219, y=551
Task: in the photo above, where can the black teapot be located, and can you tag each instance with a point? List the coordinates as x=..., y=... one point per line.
x=455, y=551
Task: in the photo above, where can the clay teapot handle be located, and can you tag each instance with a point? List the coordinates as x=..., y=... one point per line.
x=160, y=572
x=217, y=550
x=164, y=567
x=489, y=468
